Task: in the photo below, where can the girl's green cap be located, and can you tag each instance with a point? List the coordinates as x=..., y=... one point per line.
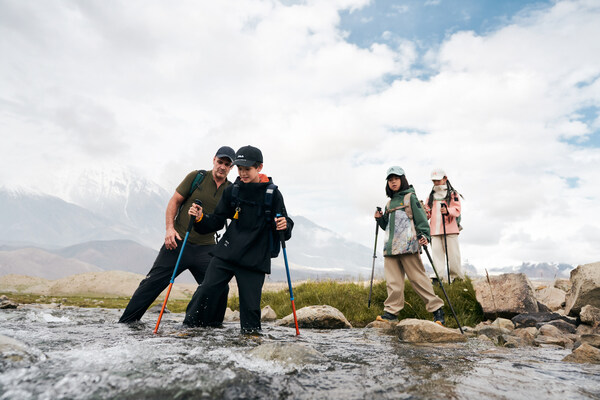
x=395, y=170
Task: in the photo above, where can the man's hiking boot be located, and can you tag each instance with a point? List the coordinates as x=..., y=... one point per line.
x=386, y=317
x=438, y=316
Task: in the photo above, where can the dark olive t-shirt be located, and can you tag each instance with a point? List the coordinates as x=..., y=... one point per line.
x=208, y=193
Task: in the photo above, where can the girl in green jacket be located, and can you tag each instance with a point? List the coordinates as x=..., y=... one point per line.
x=406, y=228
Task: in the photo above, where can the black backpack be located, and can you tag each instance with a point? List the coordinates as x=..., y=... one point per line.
x=274, y=243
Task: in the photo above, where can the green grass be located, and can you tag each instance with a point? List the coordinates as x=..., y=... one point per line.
x=351, y=299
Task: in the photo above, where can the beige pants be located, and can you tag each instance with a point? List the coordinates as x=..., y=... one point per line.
x=395, y=269
x=439, y=256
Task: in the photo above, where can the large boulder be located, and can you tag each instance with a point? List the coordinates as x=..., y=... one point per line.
x=317, y=317
x=289, y=353
x=422, y=331
x=551, y=297
x=590, y=315
x=584, y=354
x=509, y=295
x=585, y=289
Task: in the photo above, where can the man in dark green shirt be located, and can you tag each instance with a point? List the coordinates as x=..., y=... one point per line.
x=195, y=257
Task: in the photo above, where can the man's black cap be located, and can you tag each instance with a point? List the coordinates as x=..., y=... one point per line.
x=226, y=151
x=247, y=156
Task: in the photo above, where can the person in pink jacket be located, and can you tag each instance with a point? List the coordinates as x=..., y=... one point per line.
x=443, y=210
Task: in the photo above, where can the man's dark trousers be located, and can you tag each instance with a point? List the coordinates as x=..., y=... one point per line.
x=195, y=258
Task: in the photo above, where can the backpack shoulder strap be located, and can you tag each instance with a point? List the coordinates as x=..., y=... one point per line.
x=269, y=193
x=407, y=207
x=197, y=181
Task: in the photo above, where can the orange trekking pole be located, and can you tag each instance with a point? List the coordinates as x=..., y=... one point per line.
x=187, y=233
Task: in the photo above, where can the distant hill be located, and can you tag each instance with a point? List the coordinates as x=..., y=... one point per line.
x=42, y=264
x=123, y=255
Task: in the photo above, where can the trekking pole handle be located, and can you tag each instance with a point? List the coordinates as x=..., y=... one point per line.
x=192, y=218
x=281, y=237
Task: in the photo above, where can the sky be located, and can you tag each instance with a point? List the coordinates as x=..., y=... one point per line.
x=504, y=95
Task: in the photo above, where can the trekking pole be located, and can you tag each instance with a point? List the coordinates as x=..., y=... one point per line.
x=446, y=243
x=187, y=233
x=374, y=257
x=287, y=271
x=443, y=290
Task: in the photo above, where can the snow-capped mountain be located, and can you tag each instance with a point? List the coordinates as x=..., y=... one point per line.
x=121, y=195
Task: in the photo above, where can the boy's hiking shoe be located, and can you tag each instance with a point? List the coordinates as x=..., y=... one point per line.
x=438, y=316
x=386, y=317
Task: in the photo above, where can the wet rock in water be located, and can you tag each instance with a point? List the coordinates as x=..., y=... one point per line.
x=268, y=314
x=532, y=319
x=584, y=354
x=231, y=316
x=15, y=352
x=504, y=323
x=584, y=329
x=592, y=340
x=383, y=326
x=156, y=309
x=492, y=330
x=291, y=353
x=317, y=317
x=543, y=340
x=526, y=334
x=551, y=297
x=585, y=289
x=421, y=331
x=6, y=303
x=563, y=326
x=550, y=330
x=590, y=315
x=509, y=295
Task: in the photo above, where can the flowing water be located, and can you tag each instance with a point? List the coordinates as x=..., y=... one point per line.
x=78, y=353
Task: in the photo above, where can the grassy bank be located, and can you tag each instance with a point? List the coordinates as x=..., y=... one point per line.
x=350, y=298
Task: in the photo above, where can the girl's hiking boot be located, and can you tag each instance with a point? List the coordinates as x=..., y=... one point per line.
x=386, y=317
x=438, y=316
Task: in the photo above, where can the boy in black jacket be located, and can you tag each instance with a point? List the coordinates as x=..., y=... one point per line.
x=245, y=249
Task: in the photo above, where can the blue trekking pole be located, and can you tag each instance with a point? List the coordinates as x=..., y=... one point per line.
x=187, y=233
x=287, y=271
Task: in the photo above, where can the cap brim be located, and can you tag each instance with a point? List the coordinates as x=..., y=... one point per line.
x=224, y=156
x=244, y=163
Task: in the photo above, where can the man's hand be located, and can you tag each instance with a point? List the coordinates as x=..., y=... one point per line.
x=170, y=239
x=423, y=240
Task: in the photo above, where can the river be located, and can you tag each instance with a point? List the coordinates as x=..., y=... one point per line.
x=80, y=353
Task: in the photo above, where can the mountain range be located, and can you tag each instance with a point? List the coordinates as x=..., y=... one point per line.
x=114, y=220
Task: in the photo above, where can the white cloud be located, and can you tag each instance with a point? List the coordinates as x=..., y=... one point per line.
x=160, y=88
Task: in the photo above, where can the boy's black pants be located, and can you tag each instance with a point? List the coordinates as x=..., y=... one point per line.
x=205, y=307
x=195, y=258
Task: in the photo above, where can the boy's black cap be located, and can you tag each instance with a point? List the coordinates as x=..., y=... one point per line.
x=225, y=151
x=247, y=156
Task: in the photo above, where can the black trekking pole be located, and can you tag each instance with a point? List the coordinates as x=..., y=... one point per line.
x=187, y=233
x=374, y=257
x=446, y=242
x=443, y=290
